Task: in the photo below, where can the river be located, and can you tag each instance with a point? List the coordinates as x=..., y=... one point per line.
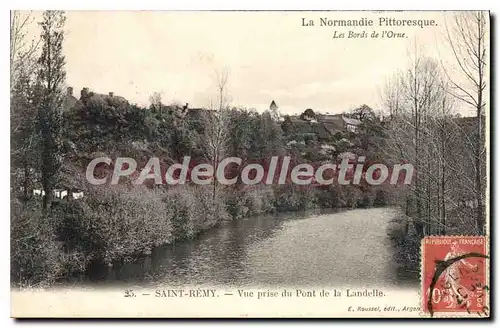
x=335, y=248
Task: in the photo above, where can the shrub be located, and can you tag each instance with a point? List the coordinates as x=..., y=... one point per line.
x=367, y=200
x=294, y=198
x=327, y=197
x=407, y=250
x=250, y=201
x=351, y=196
x=381, y=197
x=115, y=223
x=36, y=256
x=260, y=200
x=118, y=224
x=237, y=204
x=211, y=212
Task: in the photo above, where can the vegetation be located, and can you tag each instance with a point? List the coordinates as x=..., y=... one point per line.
x=52, y=145
x=447, y=196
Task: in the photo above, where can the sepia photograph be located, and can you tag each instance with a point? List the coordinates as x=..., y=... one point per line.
x=249, y=164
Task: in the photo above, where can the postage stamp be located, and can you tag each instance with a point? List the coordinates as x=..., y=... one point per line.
x=454, y=276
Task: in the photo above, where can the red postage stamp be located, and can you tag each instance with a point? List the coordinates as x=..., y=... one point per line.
x=454, y=275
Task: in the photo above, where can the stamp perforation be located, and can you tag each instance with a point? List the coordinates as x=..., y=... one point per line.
x=451, y=313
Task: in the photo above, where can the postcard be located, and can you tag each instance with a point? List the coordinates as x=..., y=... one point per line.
x=250, y=164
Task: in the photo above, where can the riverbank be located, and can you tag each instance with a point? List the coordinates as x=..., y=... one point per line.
x=406, y=243
x=313, y=248
x=116, y=225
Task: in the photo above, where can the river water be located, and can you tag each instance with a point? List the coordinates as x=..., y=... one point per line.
x=342, y=248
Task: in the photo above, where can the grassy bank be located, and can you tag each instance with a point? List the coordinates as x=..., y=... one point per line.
x=119, y=224
x=406, y=241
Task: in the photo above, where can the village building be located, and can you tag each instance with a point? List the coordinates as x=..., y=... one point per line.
x=69, y=100
x=273, y=106
x=71, y=103
x=351, y=124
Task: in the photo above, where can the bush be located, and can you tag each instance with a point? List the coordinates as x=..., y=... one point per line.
x=327, y=197
x=114, y=223
x=195, y=209
x=242, y=203
x=382, y=197
x=407, y=250
x=260, y=200
x=294, y=198
x=351, y=196
x=184, y=207
x=367, y=200
x=36, y=256
x=237, y=205
x=118, y=224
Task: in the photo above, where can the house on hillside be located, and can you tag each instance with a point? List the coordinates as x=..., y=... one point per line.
x=332, y=123
x=110, y=99
x=69, y=101
x=338, y=123
x=320, y=127
x=351, y=124
x=307, y=129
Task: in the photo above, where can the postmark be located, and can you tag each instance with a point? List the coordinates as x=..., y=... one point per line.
x=454, y=276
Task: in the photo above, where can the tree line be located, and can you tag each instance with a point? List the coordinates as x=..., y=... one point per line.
x=448, y=152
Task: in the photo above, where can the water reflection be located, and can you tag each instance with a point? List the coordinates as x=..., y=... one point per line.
x=346, y=248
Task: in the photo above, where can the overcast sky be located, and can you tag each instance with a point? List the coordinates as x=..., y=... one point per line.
x=269, y=55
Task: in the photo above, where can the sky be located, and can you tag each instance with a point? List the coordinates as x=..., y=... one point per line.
x=268, y=56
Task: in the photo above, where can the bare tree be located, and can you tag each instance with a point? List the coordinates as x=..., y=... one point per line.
x=418, y=87
x=22, y=52
x=424, y=132
x=413, y=98
x=391, y=94
x=442, y=140
x=216, y=134
x=467, y=36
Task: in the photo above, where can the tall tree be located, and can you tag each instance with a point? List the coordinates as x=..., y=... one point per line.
x=442, y=124
x=468, y=38
x=418, y=86
x=22, y=111
x=412, y=104
x=216, y=136
x=51, y=77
